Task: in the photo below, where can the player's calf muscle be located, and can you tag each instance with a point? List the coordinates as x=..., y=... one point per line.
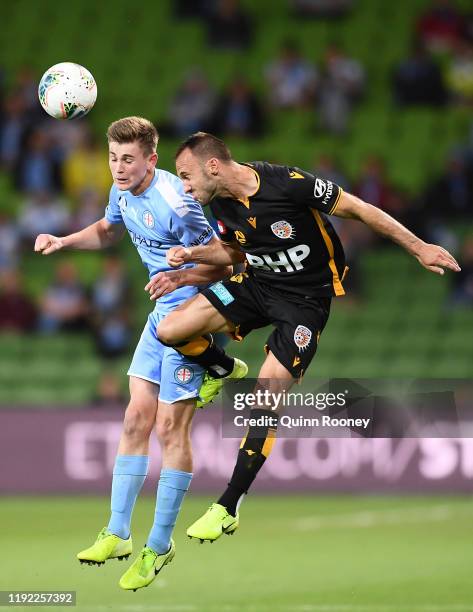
x=173, y=424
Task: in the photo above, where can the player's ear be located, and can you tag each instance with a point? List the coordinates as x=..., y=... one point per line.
x=153, y=158
x=212, y=165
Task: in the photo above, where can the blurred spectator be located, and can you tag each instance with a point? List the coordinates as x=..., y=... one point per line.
x=228, y=26
x=110, y=309
x=469, y=26
x=398, y=204
x=43, y=213
x=291, y=79
x=65, y=136
x=322, y=8
x=418, y=79
x=373, y=185
x=109, y=392
x=17, y=311
x=460, y=74
x=238, y=111
x=192, y=105
x=326, y=168
x=86, y=168
x=441, y=26
x=64, y=304
x=13, y=125
x=90, y=209
x=38, y=169
x=113, y=335
x=9, y=243
x=451, y=195
x=462, y=290
x=26, y=86
x=341, y=86
x=111, y=289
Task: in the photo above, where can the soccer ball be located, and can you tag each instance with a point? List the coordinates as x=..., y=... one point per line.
x=67, y=91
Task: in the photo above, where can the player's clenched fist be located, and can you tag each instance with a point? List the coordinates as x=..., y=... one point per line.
x=47, y=244
x=177, y=256
x=162, y=283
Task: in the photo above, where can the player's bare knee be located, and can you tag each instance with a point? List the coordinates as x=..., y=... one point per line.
x=172, y=431
x=138, y=422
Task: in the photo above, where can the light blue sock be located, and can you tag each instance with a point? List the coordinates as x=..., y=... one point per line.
x=172, y=487
x=129, y=474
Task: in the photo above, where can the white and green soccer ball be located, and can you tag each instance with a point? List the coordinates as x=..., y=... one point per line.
x=67, y=91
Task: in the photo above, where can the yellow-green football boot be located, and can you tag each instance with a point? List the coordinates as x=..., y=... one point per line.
x=211, y=386
x=145, y=568
x=213, y=524
x=106, y=546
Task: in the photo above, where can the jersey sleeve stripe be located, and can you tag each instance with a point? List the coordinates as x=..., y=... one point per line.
x=337, y=284
x=174, y=199
x=337, y=201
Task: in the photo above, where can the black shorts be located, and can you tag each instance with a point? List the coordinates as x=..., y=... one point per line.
x=299, y=321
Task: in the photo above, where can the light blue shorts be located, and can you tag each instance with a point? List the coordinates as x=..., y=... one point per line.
x=178, y=377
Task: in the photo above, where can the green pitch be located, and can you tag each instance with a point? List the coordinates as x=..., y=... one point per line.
x=302, y=554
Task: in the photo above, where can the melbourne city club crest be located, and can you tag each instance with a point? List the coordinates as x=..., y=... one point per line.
x=148, y=219
x=302, y=337
x=184, y=374
x=283, y=229
x=122, y=203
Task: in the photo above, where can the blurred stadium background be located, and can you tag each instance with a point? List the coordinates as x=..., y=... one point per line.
x=374, y=95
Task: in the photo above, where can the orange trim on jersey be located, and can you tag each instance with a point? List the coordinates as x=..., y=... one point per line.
x=337, y=202
x=245, y=202
x=337, y=285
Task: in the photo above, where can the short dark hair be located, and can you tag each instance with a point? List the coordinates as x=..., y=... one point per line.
x=131, y=129
x=205, y=145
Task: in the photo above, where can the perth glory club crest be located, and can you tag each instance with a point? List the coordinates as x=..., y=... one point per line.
x=302, y=337
x=283, y=229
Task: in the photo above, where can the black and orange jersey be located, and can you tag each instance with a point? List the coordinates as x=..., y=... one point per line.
x=289, y=242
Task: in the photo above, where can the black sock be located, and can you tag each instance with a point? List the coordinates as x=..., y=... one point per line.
x=207, y=354
x=254, y=450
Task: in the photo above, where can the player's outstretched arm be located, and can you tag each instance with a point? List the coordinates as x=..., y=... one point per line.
x=166, y=282
x=99, y=235
x=433, y=257
x=214, y=252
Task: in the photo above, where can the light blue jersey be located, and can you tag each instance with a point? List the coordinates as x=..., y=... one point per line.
x=161, y=217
